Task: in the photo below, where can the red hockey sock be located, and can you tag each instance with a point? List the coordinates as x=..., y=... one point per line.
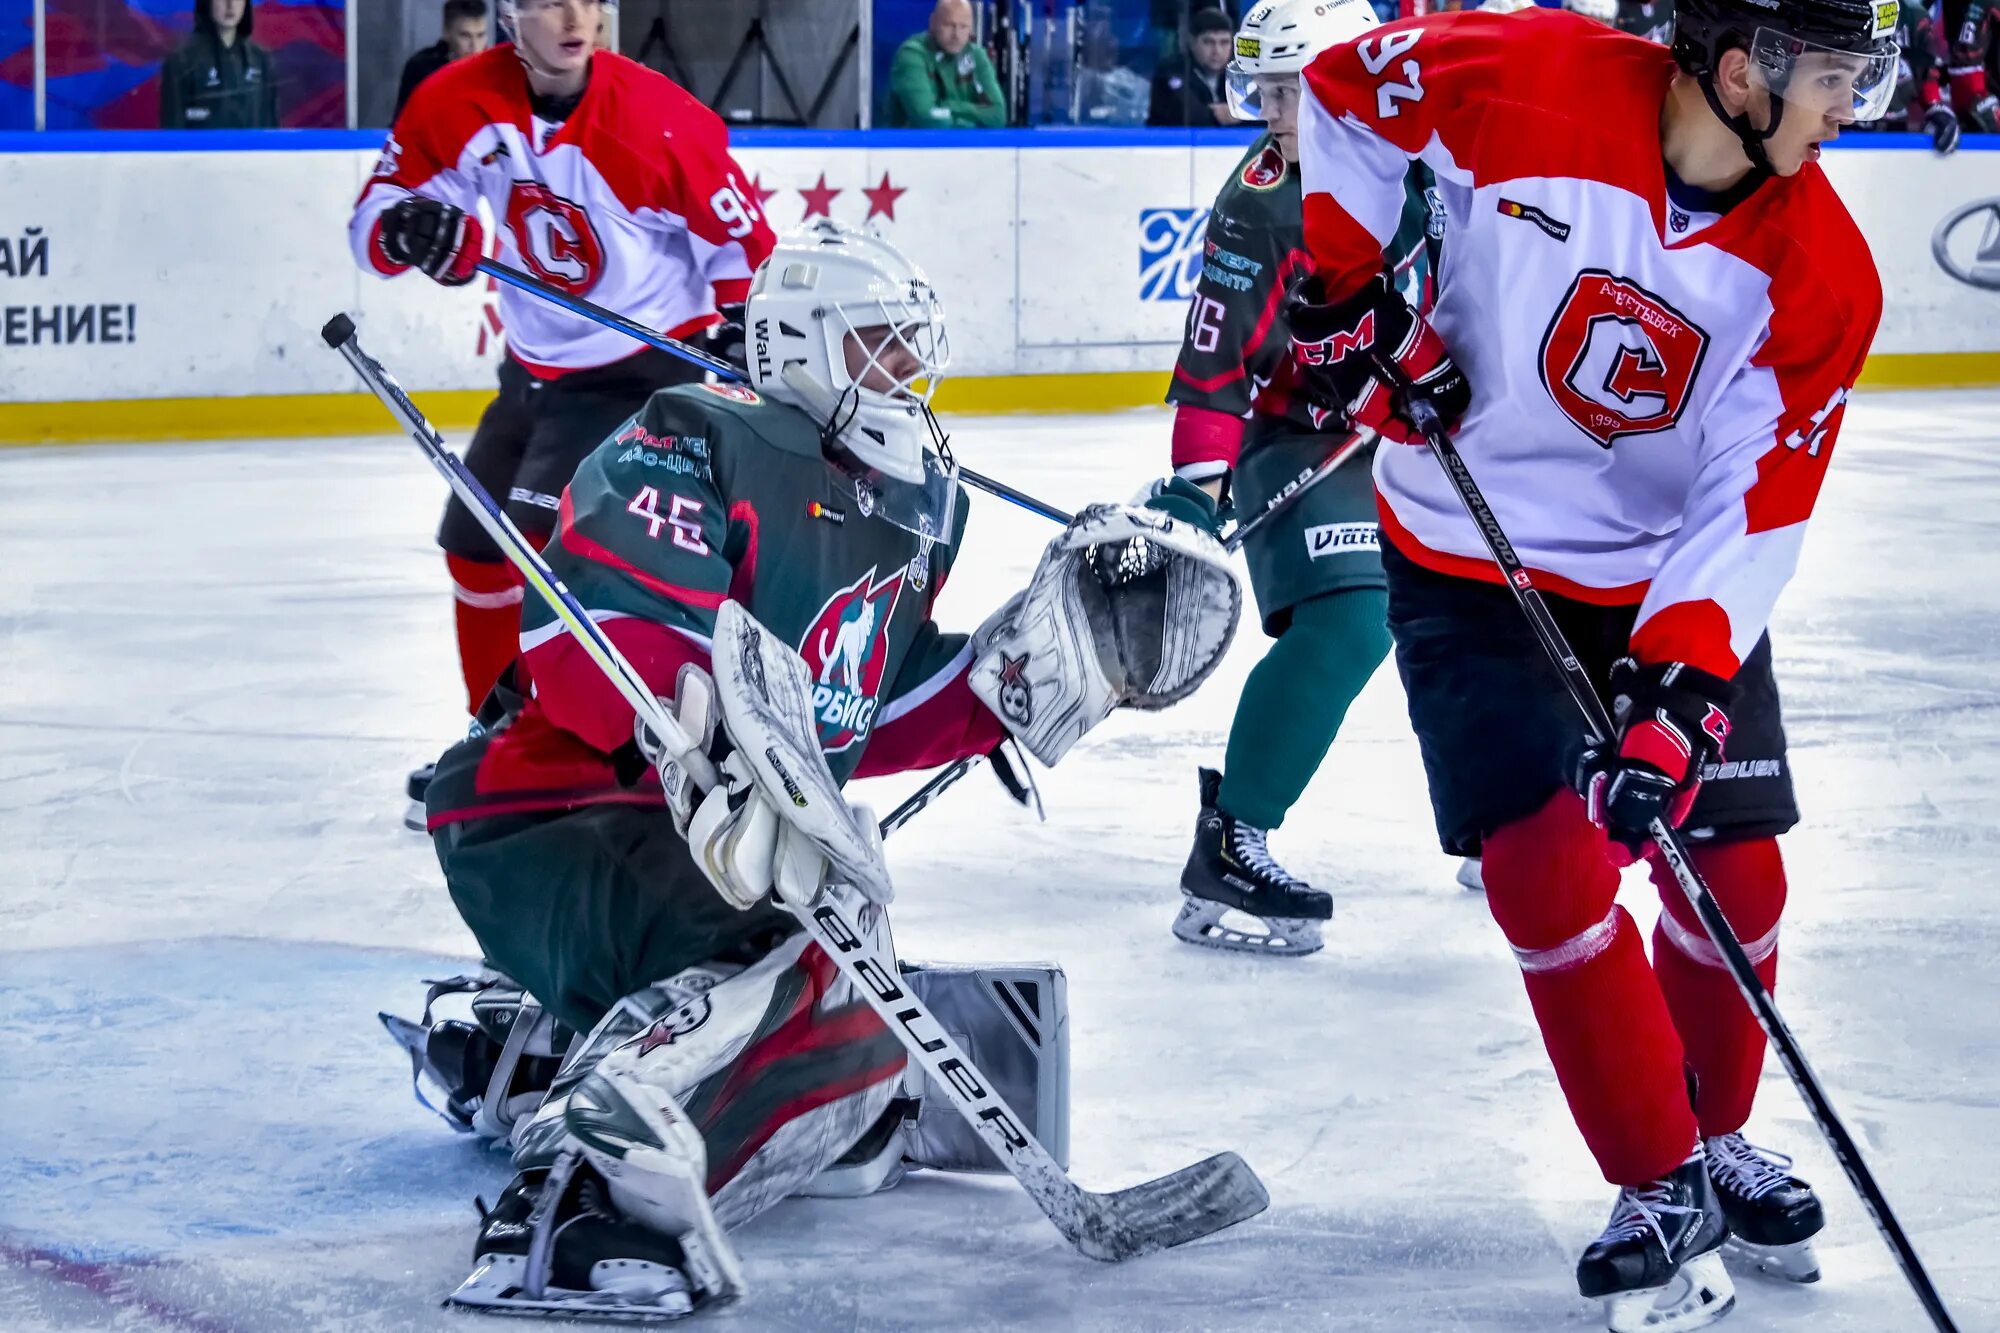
x=1725, y=1047
x=486, y=605
x=1551, y=885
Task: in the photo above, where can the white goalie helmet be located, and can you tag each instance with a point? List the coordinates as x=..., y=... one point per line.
x=822, y=287
x=1282, y=37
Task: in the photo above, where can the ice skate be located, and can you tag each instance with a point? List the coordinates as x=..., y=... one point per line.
x=419, y=781
x=1773, y=1215
x=1658, y=1265
x=1231, y=869
x=555, y=1245
x=1471, y=875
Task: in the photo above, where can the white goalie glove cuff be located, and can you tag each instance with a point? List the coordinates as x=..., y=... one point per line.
x=1056, y=659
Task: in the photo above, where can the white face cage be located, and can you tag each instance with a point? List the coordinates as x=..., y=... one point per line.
x=911, y=322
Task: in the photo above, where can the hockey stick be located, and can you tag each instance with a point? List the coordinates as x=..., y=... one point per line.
x=1171, y=1210
x=1597, y=724
x=715, y=365
x=1299, y=485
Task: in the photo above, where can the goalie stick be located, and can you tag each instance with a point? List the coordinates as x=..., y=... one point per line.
x=729, y=370
x=1171, y=1210
x=715, y=365
x=1597, y=723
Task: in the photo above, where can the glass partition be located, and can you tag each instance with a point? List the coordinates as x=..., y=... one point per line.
x=196, y=64
x=17, y=64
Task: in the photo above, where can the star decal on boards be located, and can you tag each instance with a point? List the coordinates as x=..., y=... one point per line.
x=819, y=198
x=760, y=195
x=882, y=199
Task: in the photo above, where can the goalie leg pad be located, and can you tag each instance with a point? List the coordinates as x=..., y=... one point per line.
x=1080, y=641
x=1013, y=1020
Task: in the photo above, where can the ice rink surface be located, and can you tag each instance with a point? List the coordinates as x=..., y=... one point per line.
x=217, y=662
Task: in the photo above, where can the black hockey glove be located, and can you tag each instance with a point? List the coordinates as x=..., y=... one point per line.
x=1941, y=122
x=1369, y=355
x=726, y=339
x=1672, y=720
x=433, y=237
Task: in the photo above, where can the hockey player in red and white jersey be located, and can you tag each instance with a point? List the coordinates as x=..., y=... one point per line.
x=1650, y=310
x=604, y=179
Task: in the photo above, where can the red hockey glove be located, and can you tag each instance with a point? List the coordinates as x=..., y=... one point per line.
x=1371, y=354
x=433, y=236
x=1672, y=719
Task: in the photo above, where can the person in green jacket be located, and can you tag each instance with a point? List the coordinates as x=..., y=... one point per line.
x=219, y=79
x=941, y=80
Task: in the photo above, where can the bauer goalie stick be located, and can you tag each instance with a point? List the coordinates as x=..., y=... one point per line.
x=715, y=365
x=1597, y=724
x=1171, y=1210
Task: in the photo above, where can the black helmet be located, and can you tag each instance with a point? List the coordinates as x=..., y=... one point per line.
x=1776, y=34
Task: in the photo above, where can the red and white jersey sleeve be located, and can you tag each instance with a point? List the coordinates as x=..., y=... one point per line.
x=1655, y=389
x=634, y=201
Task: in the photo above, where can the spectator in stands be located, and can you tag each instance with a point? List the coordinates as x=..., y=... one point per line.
x=464, y=34
x=218, y=79
x=1188, y=90
x=942, y=79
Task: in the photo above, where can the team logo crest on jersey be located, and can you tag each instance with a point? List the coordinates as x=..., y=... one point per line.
x=1266, y=171
x=847, y=649
x=555, y=236
x=1618, y=360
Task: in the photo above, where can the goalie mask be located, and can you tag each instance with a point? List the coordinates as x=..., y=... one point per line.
x=841, y=323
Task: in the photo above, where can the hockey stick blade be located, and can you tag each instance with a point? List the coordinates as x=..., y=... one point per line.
x=1196, y=1201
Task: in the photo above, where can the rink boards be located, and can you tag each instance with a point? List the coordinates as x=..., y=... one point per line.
x=148, y=291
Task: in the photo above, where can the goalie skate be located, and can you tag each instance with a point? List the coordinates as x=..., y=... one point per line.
x=555, y=1245
x=1231, y=870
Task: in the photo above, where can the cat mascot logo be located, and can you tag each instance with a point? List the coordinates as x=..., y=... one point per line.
x=847, y=648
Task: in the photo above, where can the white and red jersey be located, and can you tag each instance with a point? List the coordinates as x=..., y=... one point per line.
x=633, y=201
x=1655, y=389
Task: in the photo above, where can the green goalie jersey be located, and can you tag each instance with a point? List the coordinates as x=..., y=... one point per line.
x=716, y=492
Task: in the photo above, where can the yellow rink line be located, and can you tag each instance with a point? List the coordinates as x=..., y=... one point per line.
x=285, y=415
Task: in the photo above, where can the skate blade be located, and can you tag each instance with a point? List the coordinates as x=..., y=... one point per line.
x=1695, y=1297
x=1788, y=1263
x=1200, y=922
x=415, y=818
x=495, y=1288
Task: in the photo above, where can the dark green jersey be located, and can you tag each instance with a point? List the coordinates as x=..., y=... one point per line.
x=715, y=492
x=1234, y=354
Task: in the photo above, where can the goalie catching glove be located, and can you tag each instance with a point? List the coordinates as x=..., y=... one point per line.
x=751, y=791
x=1129, y=608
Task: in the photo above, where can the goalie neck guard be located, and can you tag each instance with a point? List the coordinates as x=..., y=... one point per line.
x=840, y=322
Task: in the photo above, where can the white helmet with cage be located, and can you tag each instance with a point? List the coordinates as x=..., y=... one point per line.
x=840, y=322
x=823, y=285
x=1282, y=37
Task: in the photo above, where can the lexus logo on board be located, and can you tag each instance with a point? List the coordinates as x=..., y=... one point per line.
x=1967, y=244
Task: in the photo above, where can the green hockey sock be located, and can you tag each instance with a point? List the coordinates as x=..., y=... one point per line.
x=1295, y=699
